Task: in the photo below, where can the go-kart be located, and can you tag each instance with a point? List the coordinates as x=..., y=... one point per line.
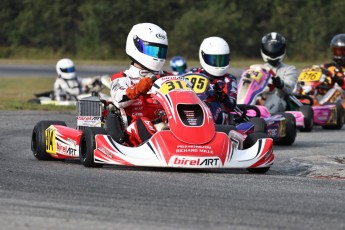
x=315, y=89
x=282, y=127
x=91, y=85
x=190, y=139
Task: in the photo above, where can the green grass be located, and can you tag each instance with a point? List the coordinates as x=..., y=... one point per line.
x=15, y=92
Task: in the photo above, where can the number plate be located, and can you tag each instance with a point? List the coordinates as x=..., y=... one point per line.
x=310, y=75
x=199, y=83
x=173, y=85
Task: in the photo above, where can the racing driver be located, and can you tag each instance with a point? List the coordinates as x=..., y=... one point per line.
x=147, y=46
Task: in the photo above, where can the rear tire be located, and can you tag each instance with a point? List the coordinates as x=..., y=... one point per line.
x=340, y=121
x=38, y=139
x=88, y=145
x=290, y=130
x=308, y=113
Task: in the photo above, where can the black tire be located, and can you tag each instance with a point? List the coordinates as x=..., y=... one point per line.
x=252, y=138
x=340, y=117
x=38, y=139
x=308, y=113
x=88, y=145
x=259, y=124
x=290, y=130
x=258, y=170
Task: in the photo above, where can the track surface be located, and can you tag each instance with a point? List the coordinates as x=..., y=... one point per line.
x=303, y=190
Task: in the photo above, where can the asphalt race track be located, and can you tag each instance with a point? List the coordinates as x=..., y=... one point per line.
x=304, y=189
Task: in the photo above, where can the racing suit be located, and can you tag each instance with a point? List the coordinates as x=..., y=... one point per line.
x=222, y=95
x=139, y=112
x=276, y=98
x=336, y=73
x=67, y=89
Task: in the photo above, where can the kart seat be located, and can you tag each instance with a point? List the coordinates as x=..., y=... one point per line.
x=113, y=127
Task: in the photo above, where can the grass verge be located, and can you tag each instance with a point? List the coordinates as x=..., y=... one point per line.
x=15, y=93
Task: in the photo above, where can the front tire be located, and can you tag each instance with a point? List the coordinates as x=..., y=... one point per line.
x=308, y=114
x=259, y=124
x=290, y=130
x=38, y=139
x=88, y=146
x=252, y=139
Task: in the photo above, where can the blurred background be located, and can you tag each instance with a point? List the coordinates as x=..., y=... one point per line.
x=97, y=29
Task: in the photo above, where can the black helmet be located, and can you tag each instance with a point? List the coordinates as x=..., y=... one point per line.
x=338, y=49
x=273, y=48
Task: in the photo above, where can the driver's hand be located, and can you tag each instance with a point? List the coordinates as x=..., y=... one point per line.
x=143, y=86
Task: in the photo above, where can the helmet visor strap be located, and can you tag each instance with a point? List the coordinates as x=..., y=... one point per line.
x=152, y=49
x=216, y=60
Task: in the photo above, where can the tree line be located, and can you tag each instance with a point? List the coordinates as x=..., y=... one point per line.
x=97, y=29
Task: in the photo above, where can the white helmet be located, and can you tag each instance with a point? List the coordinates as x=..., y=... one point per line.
x=65, y=69
x=147, y=45
x=214, y=56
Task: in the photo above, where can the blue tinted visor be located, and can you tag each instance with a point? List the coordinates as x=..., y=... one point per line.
x=216, y=60
x=155, y=50
x=179, y=69
x=68, y=70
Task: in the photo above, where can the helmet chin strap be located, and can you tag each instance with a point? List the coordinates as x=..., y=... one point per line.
x=138, y=71
x=274, y=63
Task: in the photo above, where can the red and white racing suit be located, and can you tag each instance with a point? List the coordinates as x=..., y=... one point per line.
x=140, y=112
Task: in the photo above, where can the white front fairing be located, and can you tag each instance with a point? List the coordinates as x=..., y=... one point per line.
x=155, y=153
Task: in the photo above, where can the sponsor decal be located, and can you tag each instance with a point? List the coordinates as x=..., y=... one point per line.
x=137, y=114
x=194, y=149
x=89, y=118
x=50, y=140
x=105, y=152
x=137, y=108
x=179, y=161
x=65, y=149
x=148, y=124
x=161, y=36
x=90, y=121
x=272, y=132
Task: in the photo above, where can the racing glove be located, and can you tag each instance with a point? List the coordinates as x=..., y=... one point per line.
x=143, y=86
x=339, y=80
x=277, y=82
x=218, y=91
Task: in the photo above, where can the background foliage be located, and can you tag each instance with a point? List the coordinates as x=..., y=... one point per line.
x=97, y=29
